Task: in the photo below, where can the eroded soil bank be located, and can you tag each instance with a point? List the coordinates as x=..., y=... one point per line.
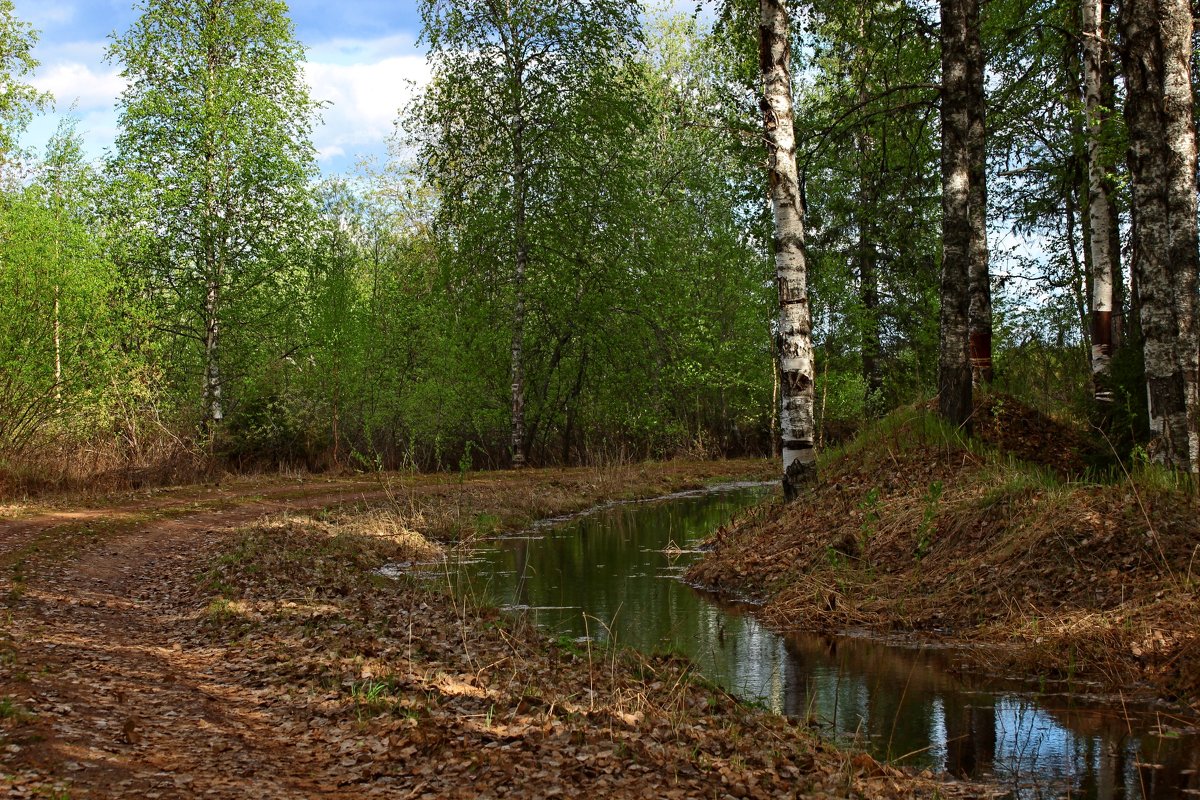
x=912, y=529
x=248, y=647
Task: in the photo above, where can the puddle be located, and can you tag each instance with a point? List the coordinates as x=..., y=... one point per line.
x=613, y=574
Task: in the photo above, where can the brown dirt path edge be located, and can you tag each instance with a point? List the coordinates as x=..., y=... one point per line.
x=117, y=696
x=19, y=537
x=119, y=702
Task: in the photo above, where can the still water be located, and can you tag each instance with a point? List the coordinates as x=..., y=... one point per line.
x=614, y=575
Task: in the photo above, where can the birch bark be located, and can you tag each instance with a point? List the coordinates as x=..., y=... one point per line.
x=1102, y=232
x=980, y=286
x=868, y=275
x=213, y=164
x=1162, y=139
x=1183, y=239
x=954, y=366
x=796, y=418
x=521, y=261
x=212, y=342
x=212, y=248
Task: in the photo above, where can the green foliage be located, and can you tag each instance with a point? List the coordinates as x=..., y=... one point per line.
x=646, y=309
x=1125, y=423
x=58, y=363
x=18, y=100
x=367, y=322
x=210, y=184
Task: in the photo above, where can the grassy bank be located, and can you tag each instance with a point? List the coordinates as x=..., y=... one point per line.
x=911, y=527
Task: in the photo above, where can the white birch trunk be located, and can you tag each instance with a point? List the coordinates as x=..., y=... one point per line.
x=212, y=342
x=1101, y=230
x=868, y=276
x=795, y=350
x=954, y=366
x=1183, y=239
x=521, y=262
x=58, y=271
x=213, y=273
x=58, y=397
x=980, y=283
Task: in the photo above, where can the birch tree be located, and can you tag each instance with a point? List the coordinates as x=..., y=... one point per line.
x=980, y=303
x=795, y=350
x=1103, y=240
x=516, y=84
x=59, y=322
x=213, y=159
x=954, y=365
x=1162, y=138
x=18, y=99
x=871, y=79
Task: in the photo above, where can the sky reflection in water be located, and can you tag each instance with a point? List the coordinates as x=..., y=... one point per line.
x=614, y=575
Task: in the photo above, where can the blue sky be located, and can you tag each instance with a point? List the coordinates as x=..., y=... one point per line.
x=362, y=59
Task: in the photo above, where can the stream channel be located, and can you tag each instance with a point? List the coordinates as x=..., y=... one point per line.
x=615, y=574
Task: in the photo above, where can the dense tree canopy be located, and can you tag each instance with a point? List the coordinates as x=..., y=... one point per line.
x=211, y=174
x=571, y=256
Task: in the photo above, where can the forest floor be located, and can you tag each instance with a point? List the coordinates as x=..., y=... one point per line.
x=238, y=641
x=999, y=543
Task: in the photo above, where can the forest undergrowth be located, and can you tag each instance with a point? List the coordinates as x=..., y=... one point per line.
x=1007, y=539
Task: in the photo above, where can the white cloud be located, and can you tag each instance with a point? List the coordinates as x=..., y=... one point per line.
x=365, y=84
x=46, y=15
x=72, y=82
x=330, y=152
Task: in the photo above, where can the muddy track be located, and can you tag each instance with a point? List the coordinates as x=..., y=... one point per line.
x=112, y=683
x=102, y=651
x=236, y=503
x=125, y=699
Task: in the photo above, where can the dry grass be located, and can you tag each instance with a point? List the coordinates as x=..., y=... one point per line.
x=141, y=456
x=442, y=680
x=912, y=528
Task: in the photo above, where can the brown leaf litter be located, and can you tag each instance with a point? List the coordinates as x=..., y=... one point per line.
x=912, y=529
x=179, y=657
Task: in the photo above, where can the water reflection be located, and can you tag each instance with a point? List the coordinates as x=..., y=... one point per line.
x=614, y=576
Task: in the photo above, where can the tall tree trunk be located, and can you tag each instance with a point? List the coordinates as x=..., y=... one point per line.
x=1079, y=283
x=1162, y=140
x=213, y=272
x=774, y=433
x=58, y=395
x=212, y=341
x=571, y=407
x=1102, y=229
x=868, y=275
x=954, y=366
x=1075, y=193
x=58, y=210
x=980, y=304
x=797, y=424
x=517, y=442
x=1183, y=236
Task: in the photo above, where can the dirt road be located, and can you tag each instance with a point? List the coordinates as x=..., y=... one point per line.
x=122, y=674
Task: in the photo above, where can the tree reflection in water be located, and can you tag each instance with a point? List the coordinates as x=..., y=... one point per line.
x=614, y=575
